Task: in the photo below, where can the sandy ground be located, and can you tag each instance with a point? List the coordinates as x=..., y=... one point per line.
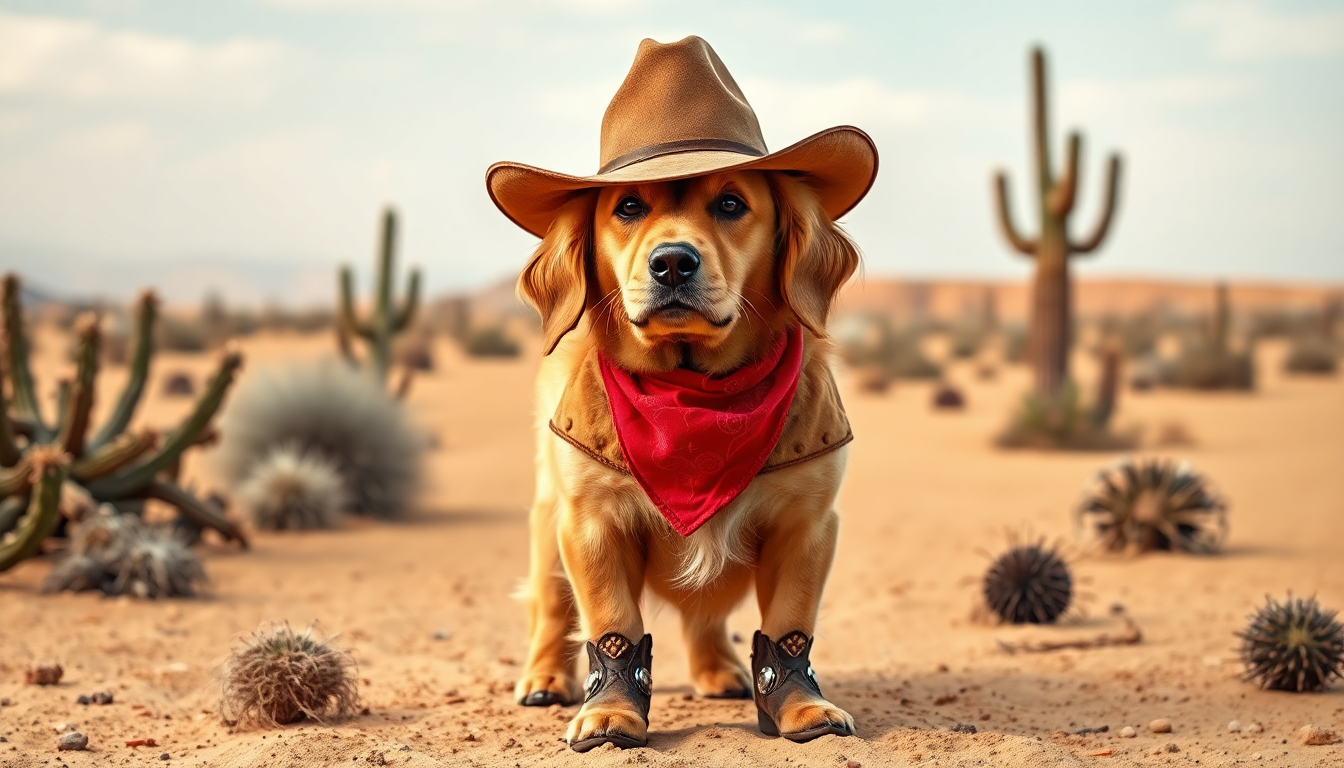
x=925, y=497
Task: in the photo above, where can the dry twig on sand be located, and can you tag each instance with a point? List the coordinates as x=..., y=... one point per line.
x=1131, y=636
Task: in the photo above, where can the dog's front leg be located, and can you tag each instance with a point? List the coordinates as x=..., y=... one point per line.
x=794, y=562
x=605, y=564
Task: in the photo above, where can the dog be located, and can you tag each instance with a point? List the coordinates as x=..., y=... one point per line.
x=690, y=438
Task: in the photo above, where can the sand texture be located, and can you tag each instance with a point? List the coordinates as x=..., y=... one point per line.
x=925, y=498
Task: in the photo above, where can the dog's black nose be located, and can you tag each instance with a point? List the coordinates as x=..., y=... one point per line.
x=674, y=263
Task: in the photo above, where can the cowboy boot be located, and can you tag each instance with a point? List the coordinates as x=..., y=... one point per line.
x=783, y=676
x=619, y=675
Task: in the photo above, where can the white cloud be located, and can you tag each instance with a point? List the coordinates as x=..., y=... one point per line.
x=80, y=60
x=1250, y=30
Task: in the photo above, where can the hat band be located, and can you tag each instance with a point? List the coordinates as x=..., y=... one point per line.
x=674, y=147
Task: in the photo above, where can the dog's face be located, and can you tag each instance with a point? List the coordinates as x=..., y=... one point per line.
x=698, y=272
x=683, y=261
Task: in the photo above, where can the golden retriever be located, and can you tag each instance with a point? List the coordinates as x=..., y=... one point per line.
x=769, y=258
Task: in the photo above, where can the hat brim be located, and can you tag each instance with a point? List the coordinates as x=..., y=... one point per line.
x=840, y=162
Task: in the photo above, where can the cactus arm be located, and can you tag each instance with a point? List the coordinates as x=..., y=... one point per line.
x=139, y=373
x=9, y=452
x=408, y=307
x=109, y=458
x=16, y=342
x=185, y=436
x=1107, y=210
x=1065, y=191
x=1021, y=244
x=382, y=320
x=15, y=480
x=1040, y=122
x=48, y=472
x=74, y=424
x=347, y=321
x=203, y=513
x=345, y=343
x=11, y=509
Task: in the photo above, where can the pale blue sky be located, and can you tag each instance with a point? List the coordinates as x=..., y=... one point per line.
x=250, y=144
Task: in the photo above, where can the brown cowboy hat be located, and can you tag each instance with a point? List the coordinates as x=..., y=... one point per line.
x=678, y=114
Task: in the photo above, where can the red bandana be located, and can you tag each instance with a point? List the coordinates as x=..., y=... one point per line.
x=694, y=442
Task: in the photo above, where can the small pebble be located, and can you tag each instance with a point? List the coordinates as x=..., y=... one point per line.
x=853, y=764
x=1253, y=727
x=74, y=740
x=165, y=756
x=1160, y=725
x=963, y=728
x=441, y=634
x=1317, y=735
x=404, y=748
x=1234, y=726
x=44, y=673
x=85, y=700
x=102, y=698
x=1165, y=749
x=1128, y=732
x=5, y=702
x=63, y=727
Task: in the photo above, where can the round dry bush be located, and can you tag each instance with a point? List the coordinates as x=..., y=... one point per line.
x=278, y=677
x=121, y=555
x=293, y=490
x=331, y=410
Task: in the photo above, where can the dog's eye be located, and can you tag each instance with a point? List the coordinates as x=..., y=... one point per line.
x=629, y=207
x=732, y=206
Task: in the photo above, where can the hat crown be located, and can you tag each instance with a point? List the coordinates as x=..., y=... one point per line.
x=677, y=97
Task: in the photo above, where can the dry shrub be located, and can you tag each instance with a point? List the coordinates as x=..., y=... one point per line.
x=873, y=343
x=178, y=334
x=1015, y=344
x=121, y=555
x=1061, y=423
x=1173, y=434
x=279, y=677
x=965, y=341
x=293, y=490
x=491, y=341
x=332, y=411
x=1204, y=364
x=1313, y=355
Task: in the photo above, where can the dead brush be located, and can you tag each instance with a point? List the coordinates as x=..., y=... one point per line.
x=279, y=677
x=293, y=490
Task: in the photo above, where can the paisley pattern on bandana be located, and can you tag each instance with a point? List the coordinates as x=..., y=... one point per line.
x=695, y=442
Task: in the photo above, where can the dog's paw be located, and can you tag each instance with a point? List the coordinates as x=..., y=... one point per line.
x=727, y=683
x=542, y=689
x=604, y=725
x=814, y=717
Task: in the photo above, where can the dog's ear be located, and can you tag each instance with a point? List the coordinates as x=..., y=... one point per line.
x=555, y=280
x=815, y=257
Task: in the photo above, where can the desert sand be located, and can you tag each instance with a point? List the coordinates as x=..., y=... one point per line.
x=425, y=603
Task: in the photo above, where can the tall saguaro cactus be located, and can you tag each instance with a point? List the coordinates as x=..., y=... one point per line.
x=385, y=320
x=1051, y=317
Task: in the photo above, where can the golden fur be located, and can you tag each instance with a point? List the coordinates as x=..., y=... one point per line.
x=596, y=541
